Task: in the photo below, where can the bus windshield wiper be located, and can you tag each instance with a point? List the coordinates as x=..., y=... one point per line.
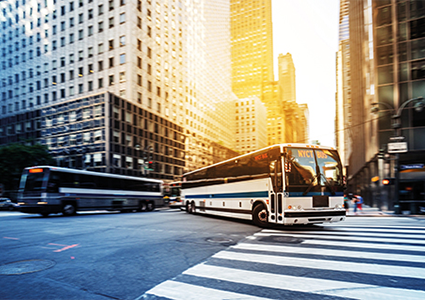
x=311, y=184
x=327, y=184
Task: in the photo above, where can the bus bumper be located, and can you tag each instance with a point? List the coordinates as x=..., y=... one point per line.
x=314, y=217
x=51, y=209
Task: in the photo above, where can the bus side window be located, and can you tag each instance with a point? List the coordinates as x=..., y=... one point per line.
x=53, y=183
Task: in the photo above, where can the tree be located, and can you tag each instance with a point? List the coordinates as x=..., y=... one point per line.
x=15, y=157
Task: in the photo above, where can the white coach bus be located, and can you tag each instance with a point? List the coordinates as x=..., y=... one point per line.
x=45, y=190
x=281, y=184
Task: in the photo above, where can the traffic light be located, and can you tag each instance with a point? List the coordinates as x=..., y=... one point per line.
x=388, y=181
x=150, y=165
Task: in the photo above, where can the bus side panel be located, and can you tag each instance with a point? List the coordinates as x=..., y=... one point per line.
x=230, y=199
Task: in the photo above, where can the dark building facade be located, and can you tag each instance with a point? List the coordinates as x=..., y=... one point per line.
x=102, y=133
x=387, y=42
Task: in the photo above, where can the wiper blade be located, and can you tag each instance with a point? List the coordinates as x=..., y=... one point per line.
x=311, y=184
x=328, y=185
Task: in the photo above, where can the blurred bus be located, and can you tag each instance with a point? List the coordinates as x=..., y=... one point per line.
x=172, y=194
x=282, y=184
x=45, y=190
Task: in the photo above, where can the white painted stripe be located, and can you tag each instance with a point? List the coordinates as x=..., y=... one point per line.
x=382, y=227
x=322, y=264
x=331, y=252
x=303, y=284
x=364, y=245
x=353, y=229
x=183, y=291
x=351, y=233
x=351, y=238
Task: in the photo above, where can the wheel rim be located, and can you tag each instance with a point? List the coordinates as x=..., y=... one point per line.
x=262, y=215
x=69, y=209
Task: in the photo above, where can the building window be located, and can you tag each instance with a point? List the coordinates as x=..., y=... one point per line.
x=139, y=45
x=111, y=22
x=139, y=80
x=100, y=26
x=122, y=59
x=111, y=44
x=111, y=62
x=139, y=22
x=122, y=40
x=122, y=18
x=122, y=76
x=111, y=79
x=100, y=83
x=139, y=62
x=90, y=86
x=100, y=65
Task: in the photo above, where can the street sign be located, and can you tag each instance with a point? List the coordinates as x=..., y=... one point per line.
x=399, y=147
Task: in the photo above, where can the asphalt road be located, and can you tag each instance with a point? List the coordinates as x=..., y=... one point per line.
x=105, y=255
x=168, y=254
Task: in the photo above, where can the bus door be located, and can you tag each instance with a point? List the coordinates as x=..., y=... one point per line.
x=276, y=193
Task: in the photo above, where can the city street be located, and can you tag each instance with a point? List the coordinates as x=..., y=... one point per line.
x=168, y=254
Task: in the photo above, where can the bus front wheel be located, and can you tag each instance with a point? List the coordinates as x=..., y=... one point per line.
x=69, y=209
x=151, y=206
x=260, y=216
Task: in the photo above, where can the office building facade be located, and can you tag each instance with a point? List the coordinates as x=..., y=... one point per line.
x=386, y=53
x=58, y=51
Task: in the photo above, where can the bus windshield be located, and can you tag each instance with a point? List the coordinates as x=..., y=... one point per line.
x=33, y=181
x=313, y=168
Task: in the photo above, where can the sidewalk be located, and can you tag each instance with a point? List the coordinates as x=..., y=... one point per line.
x=368, y=211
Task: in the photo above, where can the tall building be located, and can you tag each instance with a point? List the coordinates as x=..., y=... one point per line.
x=386, y=54
x=154, y=56
x=251, y=129
x=252, y=47
x=343, y=83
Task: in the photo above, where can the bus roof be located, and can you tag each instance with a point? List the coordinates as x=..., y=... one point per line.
x=76, y=171
x=296, y=145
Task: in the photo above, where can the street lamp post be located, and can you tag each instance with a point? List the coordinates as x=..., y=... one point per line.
x=396, y=125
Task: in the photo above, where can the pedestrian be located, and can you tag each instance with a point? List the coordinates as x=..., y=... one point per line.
x=355, y=200
x=359, y=203
x=346, y=203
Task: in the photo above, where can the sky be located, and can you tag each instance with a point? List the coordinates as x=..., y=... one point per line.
x=308, y=29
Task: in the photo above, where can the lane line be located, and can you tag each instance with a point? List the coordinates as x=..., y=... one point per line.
x=352, y=238
x=321, y=264
x=330, y=252
x=303, y=284
x=183, y=291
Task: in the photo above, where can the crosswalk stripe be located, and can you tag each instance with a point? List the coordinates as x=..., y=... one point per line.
x=331, y=252
x=405, y=229
x=179, y=290
x=302, y=284
x=262, y=266
x=366, y=245
x=358, y=233
x=352, y=238
x=386, y=270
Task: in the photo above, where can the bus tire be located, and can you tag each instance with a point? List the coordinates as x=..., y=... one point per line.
x=151, y=206
x=188, y=207
x=69, y=209
x=260, y=216
x=192, y=207
x=142, y=206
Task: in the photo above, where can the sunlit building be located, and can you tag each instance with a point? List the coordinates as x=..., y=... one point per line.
x=166, y=61
x=343, y=83
x=251, y=121
x=387, y=61
x=295, y=122
x=252, y=47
